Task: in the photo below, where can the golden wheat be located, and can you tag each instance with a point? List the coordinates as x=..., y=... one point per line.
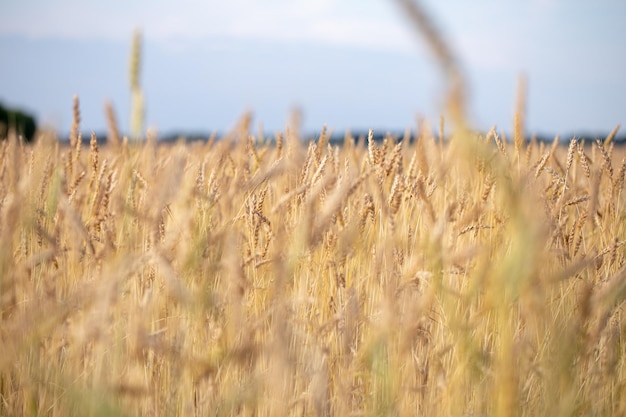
x=256, y=278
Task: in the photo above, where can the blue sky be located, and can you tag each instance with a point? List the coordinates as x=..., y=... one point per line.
x=350, y=64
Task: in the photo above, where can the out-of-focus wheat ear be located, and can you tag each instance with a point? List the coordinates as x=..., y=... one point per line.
x=611, y=136
x=411, y=171
x=616, y=188
x=279, y=145
x=321, y=144
x=570, y=155
x=242, y=128
x=529, y=149
x=200, y=183
x=310, y=157
x=320, y=170
x=259, y=204
x=252, y=150
x=610, y=350
x=500, y=143
x=140, y=178
x=520, y=112
x=491, y=134
x=31, y=161
x=594, y=149
x=210, y=141
x=74, y=130
x=579, y=239
x=40, y=225
x=395, y=160
x=606, y=164
x=421, y=192
x=423, y=165
x=542, y=147
x=106, y=197
x=67, y=163
x=113, y=137
x=595, y=191
x=75, y=139
x=152, y=139
x=333, y=159
x=93, y=148
x=4, y=159
x=136, y=118
x=490, y=180
x=71, y=191
x=135, y=60
x=97, y=192
x=93, y=156
x=125, y=150
x=441, y=132
x=367, y=211
x=137, y=105
x=372, y=150
x=395, y=195
x=577, y=200
x=45, y=181
x=77, y=148
x=613, y=251
x=571, y=236
x=584, y=161
x=456, y=94
x=541, y=164
x=619, y=180
x=555, y=145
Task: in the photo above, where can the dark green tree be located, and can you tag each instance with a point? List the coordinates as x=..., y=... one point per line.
x=23, y=123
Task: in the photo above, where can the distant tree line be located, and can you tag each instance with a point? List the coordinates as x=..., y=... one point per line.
x=23, y=123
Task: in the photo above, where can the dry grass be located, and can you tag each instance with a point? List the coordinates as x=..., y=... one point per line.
x=241, y=277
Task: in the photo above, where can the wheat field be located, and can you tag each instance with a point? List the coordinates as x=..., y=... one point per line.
x=267, y=276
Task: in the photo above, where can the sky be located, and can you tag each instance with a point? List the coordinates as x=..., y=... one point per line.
x=349, y=64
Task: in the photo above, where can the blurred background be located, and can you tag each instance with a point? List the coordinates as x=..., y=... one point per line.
x=350, y=64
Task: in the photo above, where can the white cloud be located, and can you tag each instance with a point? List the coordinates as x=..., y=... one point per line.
x=487, y=34
x=322, y=21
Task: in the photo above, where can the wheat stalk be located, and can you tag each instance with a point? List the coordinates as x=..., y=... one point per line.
x=136, y=94
x=518, y=120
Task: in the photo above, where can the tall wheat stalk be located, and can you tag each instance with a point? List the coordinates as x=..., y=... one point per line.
x=136, y=94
